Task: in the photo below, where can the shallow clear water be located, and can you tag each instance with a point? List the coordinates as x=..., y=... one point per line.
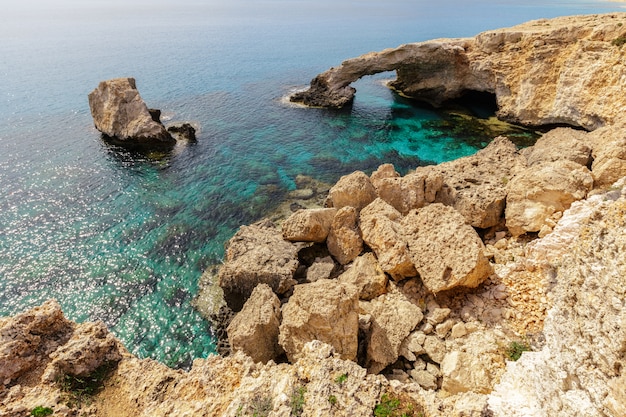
x=124, y=237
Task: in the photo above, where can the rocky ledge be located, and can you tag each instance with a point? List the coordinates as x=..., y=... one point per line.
x=567, y=70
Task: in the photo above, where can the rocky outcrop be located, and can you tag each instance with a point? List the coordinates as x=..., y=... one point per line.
x=183, y=131
x=445, y=251
x=90, y=347
x=559, y=144
x=324, y=310
x=541, y=72
x=29, y=338
x=257, y=254
x=120, y=113
x=254, y=330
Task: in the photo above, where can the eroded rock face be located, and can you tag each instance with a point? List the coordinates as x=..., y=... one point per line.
x=445, y=250
x=609, y=154
x=382, y=231
x=257, y=254
x=542, y=191
x=324, y=310
x=254, y=330
x=91, y=346
x=312, y=225
x=30, y=337
x=120, y=113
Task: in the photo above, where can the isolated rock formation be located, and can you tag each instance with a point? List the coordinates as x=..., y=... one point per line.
x=120, y=113
x=566, y=70
x=254, y=330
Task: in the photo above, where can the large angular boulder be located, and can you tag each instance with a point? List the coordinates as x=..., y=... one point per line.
x=120, y=113
x=254, y=330
x=257, y=254
x=542, y=191
x=367, y=276
x=446, y=251
x=310, y=225
x=411, y=191
x=382, y=231
x=355, y=190
x=344, y=240
x=476, y=185
x=394, y=317
x=558, y=144
x=609, y=155
x=325, y=310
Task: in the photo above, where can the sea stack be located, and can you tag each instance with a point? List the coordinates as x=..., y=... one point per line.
x=123, y=117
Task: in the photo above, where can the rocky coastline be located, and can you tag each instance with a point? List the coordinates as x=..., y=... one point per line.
x=492, y=285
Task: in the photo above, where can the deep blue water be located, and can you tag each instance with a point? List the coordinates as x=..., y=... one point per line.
x=124, y=237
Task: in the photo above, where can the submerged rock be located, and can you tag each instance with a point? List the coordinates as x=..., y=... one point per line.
x=120, y=113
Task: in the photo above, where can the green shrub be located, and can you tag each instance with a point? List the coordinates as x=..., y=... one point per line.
x=332, y=400
x=41, y=411
x=515, y=350
x=297, y=401
x=619, y=41
x=80, y=390
x=341, y=379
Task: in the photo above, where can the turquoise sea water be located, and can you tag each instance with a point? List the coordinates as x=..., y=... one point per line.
x=124, y=237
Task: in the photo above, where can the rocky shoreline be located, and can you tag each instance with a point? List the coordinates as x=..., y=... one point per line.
x=493, y=285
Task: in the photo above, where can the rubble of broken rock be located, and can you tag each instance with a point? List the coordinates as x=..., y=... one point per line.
x=433, y=275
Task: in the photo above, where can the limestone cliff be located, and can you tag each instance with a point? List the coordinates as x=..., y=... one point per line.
x=569, y=70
